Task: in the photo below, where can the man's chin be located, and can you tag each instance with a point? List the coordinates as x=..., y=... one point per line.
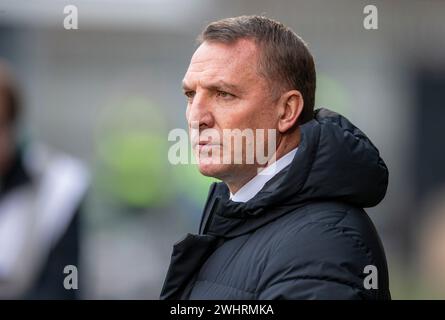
x=212, y=170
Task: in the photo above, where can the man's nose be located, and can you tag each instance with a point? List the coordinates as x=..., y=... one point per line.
x=200, y=113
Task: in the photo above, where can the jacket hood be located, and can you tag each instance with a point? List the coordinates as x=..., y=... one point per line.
x=335, y=161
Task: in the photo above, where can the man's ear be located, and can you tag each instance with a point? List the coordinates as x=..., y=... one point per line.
x=290, y=105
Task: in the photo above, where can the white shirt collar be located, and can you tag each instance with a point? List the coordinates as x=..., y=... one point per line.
x=251, y=188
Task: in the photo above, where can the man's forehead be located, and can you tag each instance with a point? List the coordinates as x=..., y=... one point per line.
x=215, y=59
x=243, y=48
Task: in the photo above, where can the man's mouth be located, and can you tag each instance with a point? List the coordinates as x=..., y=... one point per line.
x=206, y=145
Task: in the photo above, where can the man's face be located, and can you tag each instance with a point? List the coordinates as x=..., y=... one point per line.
x=225, y=91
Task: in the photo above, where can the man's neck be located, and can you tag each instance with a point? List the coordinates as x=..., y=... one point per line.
x=283, y=147
x=256, y=184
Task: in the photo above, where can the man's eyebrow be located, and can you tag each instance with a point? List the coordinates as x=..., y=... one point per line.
x=185, y=86
x=220, y=84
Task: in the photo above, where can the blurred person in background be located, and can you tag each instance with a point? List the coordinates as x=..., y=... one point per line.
x=41, y=192
x=299, y=231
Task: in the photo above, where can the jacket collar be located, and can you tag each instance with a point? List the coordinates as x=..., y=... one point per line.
x=225, y=218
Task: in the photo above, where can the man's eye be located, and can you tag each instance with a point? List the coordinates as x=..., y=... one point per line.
x=189, y=94
x=224, y=94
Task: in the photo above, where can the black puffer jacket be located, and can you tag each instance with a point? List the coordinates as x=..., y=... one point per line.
x=305, y=235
